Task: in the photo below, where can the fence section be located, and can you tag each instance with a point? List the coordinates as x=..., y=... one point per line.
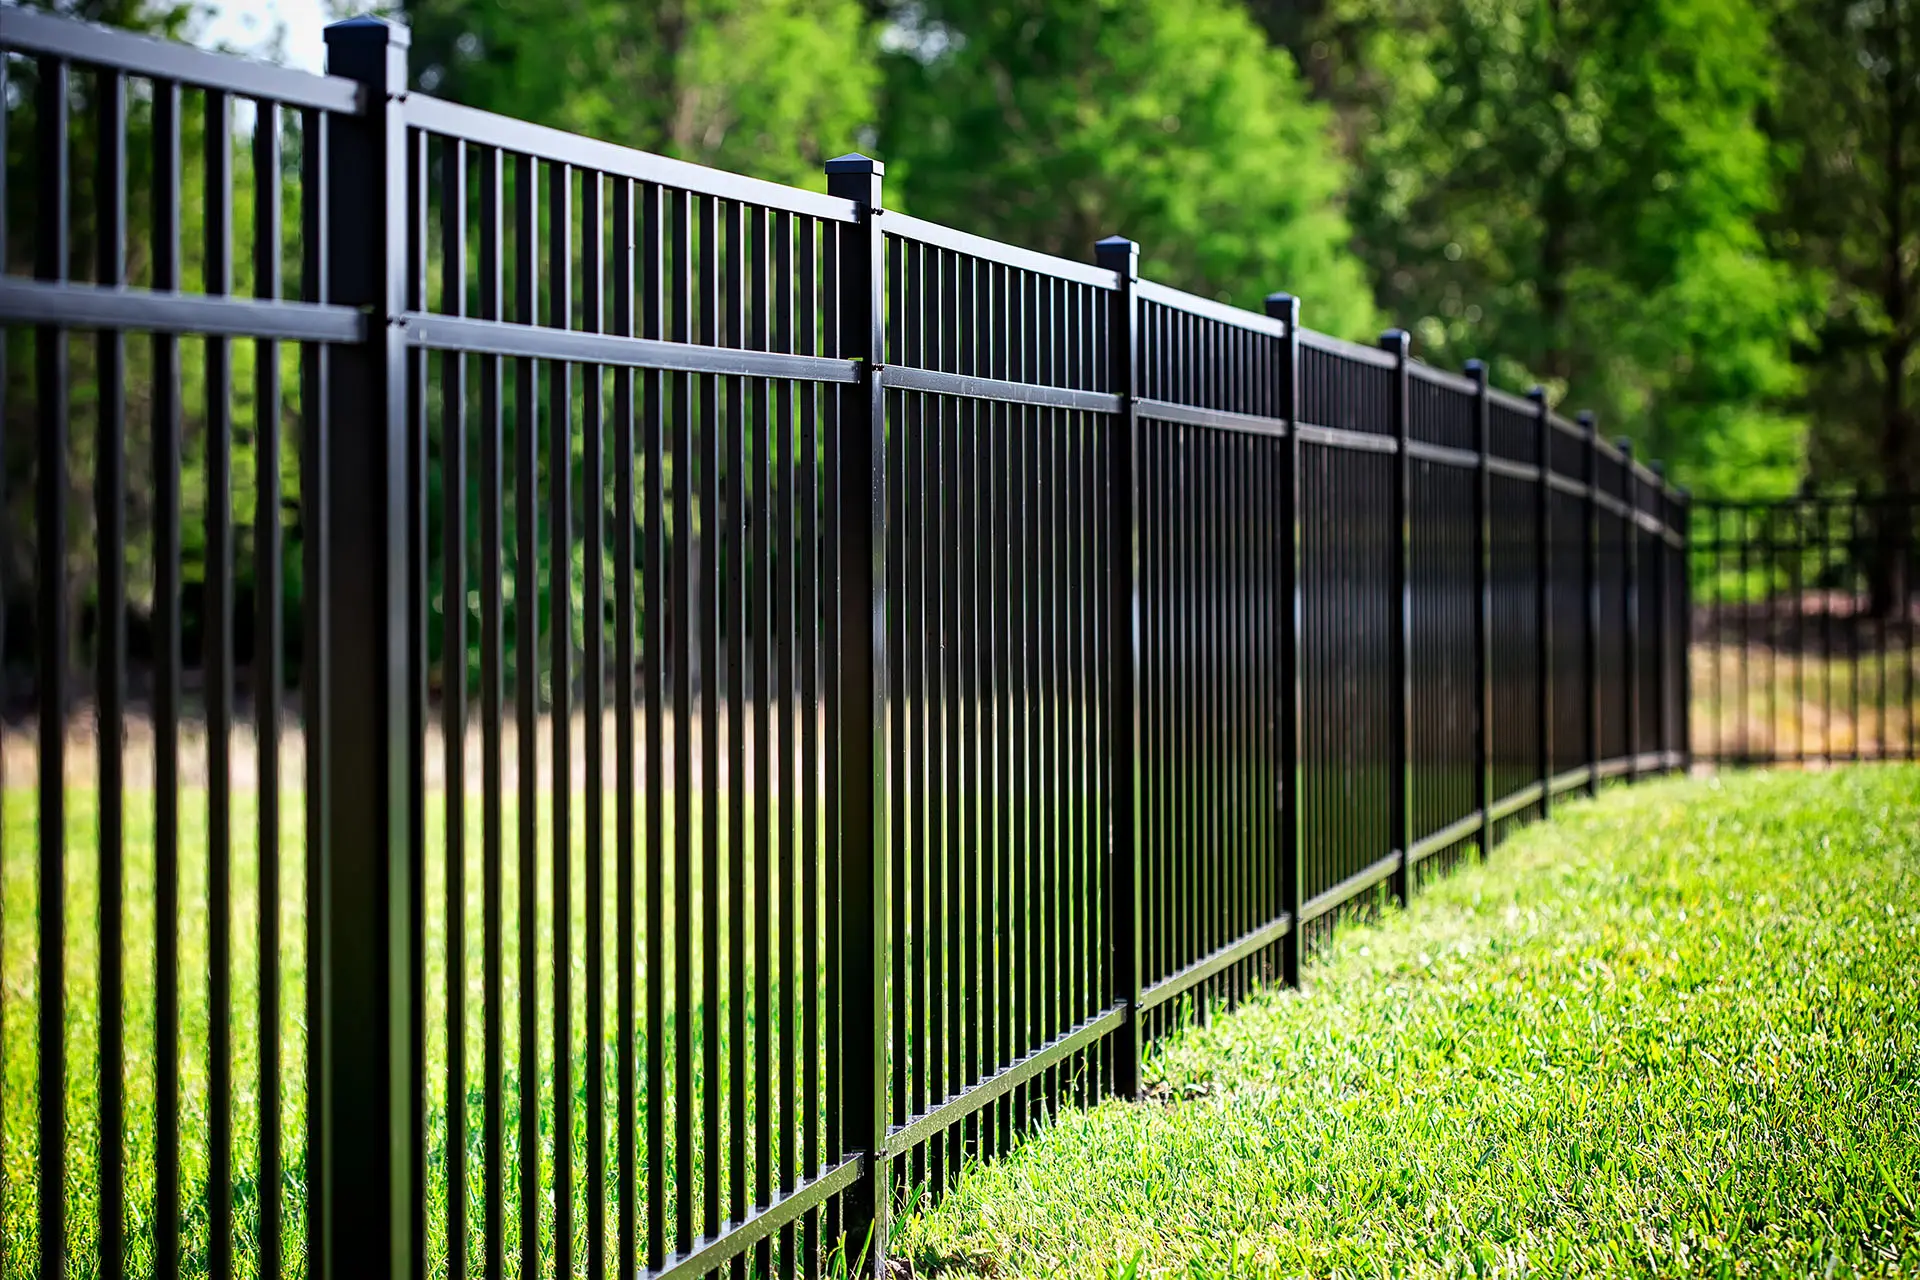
x=1806, y=634
x=659, y=713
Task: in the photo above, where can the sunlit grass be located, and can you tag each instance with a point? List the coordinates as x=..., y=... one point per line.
x=1675, y=1031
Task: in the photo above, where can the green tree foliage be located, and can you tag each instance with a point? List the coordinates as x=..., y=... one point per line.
x=1848, y=125
x=1051, y=123
x=1573, y=188
x=767, y=87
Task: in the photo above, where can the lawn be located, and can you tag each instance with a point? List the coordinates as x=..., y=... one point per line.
x=1676, y=1031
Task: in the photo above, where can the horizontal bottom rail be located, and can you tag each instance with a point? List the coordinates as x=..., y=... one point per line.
x=1529, y=794
x=709, y=1252
x=1569, y=780
x=1352, y=887
x=1616, y=767
x=1450, y=834
x=1215, y=961
x=1647, y=762
x=905, y=1137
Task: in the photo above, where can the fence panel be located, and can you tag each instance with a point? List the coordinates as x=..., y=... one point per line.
x=998, y=634
x=173, y=381
x=660, y=714
x=625, y=389
x=1806, y=629
x=1211, y=460
x=1612, y=671
x=1445, y=712
x=1349, y=701
x=1516, y=668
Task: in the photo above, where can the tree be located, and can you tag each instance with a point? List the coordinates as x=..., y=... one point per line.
x=1572, y=188
x=1052, y=124
x=1850, y=218
x=767, y=87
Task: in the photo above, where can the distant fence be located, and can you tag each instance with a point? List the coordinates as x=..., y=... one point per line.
x=903, y=675
x=1806, y=632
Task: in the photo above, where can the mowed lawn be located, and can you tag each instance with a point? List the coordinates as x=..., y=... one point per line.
x=1677, y=1031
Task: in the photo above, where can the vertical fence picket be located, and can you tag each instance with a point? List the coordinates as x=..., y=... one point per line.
x=1483, y=604
x=1662, y=598
x=1590, y=657
x=50, y=370
x=1630, y=615
x=1287, y=791
x=1543, y=590
x=1122, y=256
x=1400, y=785
x=1683, y=659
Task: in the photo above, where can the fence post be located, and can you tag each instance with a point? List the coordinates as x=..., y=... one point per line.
x=1122, y=256
x=1663, y=604
x=369, y=1081
x=1400, y=786
x=1630, y=536
x=861, y=592
x=1286, y=307
x=1590, y=668
x=1483, y=597
x=1543, y=591
x=1683, y=658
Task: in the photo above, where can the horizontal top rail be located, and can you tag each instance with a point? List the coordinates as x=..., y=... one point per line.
x=30, y=31
x=1441, y=378
x=941, y=236
x=1209, y=309
x=1566, y=427
x=1375, y=356
x=1508, y=400
x=519, y=137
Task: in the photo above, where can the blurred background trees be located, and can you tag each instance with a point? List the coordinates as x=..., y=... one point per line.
x=1700, y=218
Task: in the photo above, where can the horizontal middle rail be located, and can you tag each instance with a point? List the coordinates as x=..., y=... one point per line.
x=134, y=310
x=537, y=342
x=900, y=377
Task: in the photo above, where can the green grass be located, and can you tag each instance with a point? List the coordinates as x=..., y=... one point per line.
x=1675, y=1032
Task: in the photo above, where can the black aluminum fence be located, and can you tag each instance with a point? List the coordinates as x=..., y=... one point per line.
x=657, y=712
x=1806, y=629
